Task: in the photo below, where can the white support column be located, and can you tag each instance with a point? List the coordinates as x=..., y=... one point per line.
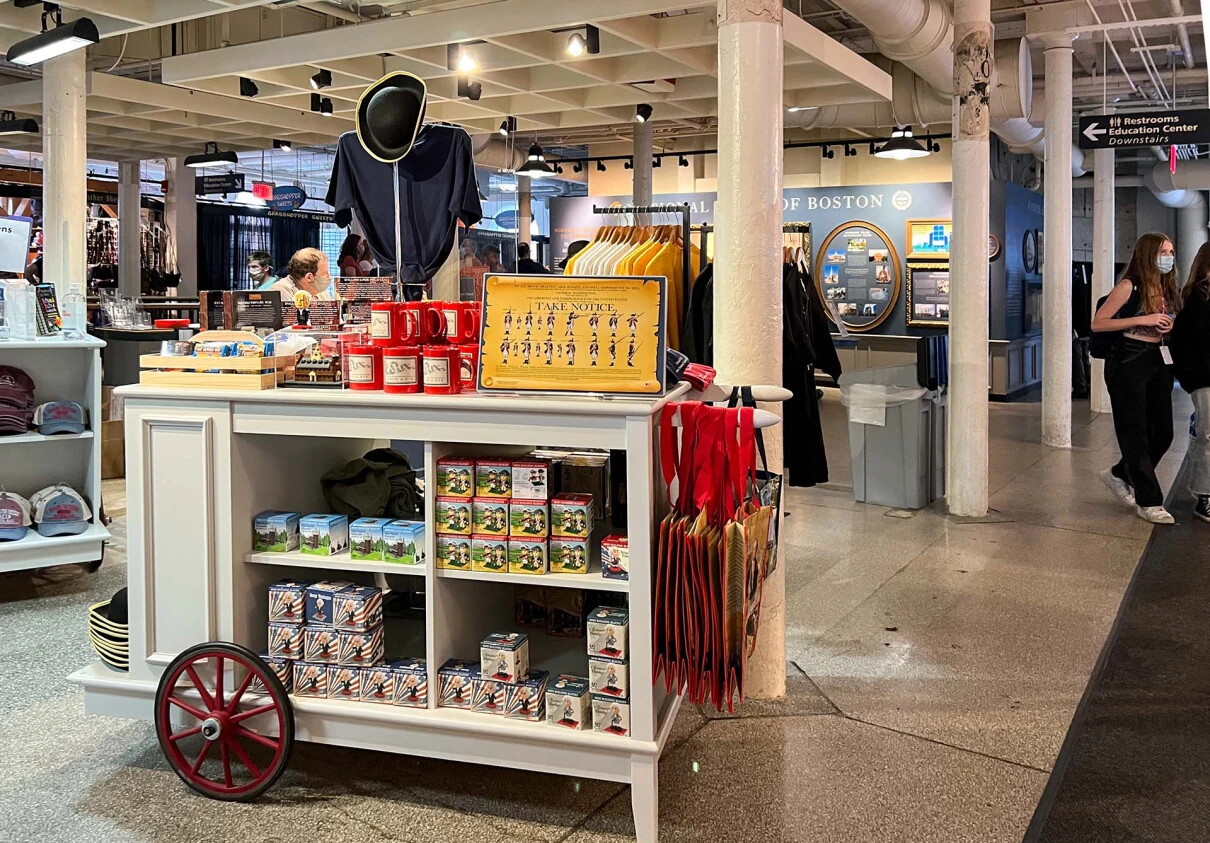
x=966, y=480
x=1056, y=269
x=1102, y=259
x=525, y=212
x=65, y=177
x=1190, y=234
x=130, y=222
x=748, y=260
x=644, y=147
x=180, y=215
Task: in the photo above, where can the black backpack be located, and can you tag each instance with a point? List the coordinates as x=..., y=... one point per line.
x=1102, y=343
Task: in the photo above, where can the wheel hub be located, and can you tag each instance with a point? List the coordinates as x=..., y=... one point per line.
x=211, y=729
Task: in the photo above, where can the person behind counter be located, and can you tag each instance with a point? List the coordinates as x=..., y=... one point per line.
x=355, y=259
x=526, y=265
x=307, y=271
x=260, y=270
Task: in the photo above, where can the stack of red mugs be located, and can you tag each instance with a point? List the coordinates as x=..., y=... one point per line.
x=421, y=346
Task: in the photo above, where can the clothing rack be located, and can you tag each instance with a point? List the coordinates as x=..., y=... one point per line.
x=684, y=211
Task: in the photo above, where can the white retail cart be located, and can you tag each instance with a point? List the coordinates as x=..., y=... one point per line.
x=62, y=370
x=201, y=464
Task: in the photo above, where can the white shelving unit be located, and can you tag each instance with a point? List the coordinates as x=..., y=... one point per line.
x=201, y=464
x=62, y=370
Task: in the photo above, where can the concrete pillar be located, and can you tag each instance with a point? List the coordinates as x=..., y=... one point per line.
x=525, y=213
x=130, y=223
x=748, y=258
x=180, y=215
x=966, y=482
x=1191, y=234
x=1056, y=270
x=644, y=146
x=65, y=180
x=1102, y=259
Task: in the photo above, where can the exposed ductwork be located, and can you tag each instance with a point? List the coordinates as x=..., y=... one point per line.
x=491, y=150
x=917, y=33
x=1182, y=189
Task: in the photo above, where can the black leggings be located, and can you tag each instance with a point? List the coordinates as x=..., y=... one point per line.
x=1140, y=390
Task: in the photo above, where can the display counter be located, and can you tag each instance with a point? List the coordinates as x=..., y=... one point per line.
x=202, y=463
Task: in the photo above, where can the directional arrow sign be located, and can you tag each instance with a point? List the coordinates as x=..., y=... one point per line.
x=1151, y=128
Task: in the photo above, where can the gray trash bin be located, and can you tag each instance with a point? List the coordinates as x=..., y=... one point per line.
x=896, y=437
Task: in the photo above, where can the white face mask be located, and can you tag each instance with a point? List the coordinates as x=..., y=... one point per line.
x=1165, y=263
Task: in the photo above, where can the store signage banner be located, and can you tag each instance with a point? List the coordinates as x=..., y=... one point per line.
x=287, y=197
x=14, y=243
x=219, y=183
x=508, y=221
x=1150, y=128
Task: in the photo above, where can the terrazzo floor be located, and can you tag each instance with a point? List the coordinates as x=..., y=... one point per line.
x=934, y=667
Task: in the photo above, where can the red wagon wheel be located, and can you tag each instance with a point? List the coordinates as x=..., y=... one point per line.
x=224, y=721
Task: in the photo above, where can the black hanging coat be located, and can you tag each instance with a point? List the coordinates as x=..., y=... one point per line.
x=806, y=345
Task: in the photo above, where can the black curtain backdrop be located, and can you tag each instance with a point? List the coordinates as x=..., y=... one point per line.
x=288, y=235
x=214, y=234
x=227, y=235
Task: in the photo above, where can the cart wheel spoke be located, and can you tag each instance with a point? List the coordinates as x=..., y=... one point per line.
x=187, y=708
x=196, y=730
x=253, y=736
x=222, y=748
x=201, y=756
x=207, y=699
x=238, y=749
x=252, y=712
x=218, y=686
x=239, y=694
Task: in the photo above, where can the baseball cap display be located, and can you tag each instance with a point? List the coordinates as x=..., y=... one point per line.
x=60, y=510
x=14, y=516
x=16, y=400
x=61, y=417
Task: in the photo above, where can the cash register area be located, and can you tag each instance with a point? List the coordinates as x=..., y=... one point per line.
x=934, y=667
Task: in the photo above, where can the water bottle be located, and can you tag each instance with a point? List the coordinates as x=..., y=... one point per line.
x=74, y=314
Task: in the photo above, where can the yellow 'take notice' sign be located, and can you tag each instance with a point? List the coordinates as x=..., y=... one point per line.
x=562, y=333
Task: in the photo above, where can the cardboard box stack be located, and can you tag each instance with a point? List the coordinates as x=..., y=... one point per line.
x=500, y=683
x=609, y=669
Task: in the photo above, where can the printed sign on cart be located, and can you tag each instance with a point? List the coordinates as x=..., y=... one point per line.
x=14, y=243
x=571, y=334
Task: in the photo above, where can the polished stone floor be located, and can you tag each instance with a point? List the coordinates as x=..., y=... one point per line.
x=933, y=669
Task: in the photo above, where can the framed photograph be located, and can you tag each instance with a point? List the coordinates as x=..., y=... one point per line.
x=573, y=334
x=858, y=269
x=993, y=248
x=929, y=239
x=1029, y=252
x=928, y=295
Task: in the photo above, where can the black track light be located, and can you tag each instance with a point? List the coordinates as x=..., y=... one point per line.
x=642, y=113
x=248, y=88
x=849, y=152
x=211, y=157
x=577, y=167
x=10, y=124
x=471, y=90
x=629, y=165
x=601, y=168
x=657, y=162
x=682, y=161
x=321, y=80
x=508, y=126
x=325, y=107
x=283, y=145
x=589, y=42
x=47, y=44
x=828, y=153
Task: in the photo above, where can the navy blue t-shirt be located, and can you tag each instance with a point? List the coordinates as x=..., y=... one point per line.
x=437, y=188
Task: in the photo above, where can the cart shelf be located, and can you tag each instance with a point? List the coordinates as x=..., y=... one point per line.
x=339, y=562
x=591, y=581
x=34, y=436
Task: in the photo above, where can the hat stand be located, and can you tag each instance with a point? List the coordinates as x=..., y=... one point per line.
x=398, y=237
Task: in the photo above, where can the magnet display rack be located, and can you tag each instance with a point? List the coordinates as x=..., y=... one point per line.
x=193, y=577
x=684, y=210
x=62, y=370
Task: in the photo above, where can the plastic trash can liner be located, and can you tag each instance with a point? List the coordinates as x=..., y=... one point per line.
x=868, y=402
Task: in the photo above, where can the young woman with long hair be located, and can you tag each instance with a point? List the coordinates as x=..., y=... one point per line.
x=1138, y=375
x=1191, y=348
x=354, y=258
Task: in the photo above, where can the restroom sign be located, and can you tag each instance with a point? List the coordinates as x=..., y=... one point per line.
x=1151, y=128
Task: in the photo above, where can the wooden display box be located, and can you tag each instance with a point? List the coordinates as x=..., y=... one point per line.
x=216, y=372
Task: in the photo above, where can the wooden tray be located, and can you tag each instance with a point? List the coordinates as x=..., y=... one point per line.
x=216, y=372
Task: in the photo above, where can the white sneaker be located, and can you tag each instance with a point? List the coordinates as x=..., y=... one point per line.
x=1155, y=514
x=1118, y=486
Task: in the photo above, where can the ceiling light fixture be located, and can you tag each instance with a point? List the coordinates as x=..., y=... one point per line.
x=577, y=167
x=629, y=165
x=248, y=88
x=601, y=168
x=901, y=146
x=794, y=109
x=459, y=59
x=283, y=145
x=325, y=107
x=507, y=126
x=471, y=90
x=642, y=113
x=682, y=161
x=828, y=153
x=47, y=44
x=211, y=157
x=321, y=80
x=656, y=162
x=589, y=42
x=849, y=152
x=10, y=124
x=535, y=166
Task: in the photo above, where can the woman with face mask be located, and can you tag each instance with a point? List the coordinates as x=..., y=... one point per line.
x=1191, y=348
x=1138, y=373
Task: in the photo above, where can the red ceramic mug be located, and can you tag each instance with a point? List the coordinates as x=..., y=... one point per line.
x=365, y=367
x=430, y=322
x=442, y=367
x=470, y=366
x=391, y=324
x=401, y=369
x=461, y=321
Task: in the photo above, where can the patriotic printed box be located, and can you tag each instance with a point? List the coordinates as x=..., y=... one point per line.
x=531, y=479
x=282, y=668
x=489, y=517
x=411, y=682
x=320, y=644
x=568, y=702
x=359, y=648
x=285, y=641
x=615, y=557
x=310, y=680
x=528, y=518
x=358, y=608
x=526, y=700
x=490, y=696
x=453, y=516
x=320, y=598
x=609, y=678
x=493, y=479
x=344, y=683
x=568, y=556
x=455, y=684
x=377, y=684
x=454, y=552
x=455, y=478
x=287, y=602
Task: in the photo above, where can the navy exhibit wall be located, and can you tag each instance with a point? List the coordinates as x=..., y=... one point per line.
x=1024, y=254
x=886, y=207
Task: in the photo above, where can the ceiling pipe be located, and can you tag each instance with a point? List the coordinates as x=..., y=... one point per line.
x=491, y=150
x=1182, y=32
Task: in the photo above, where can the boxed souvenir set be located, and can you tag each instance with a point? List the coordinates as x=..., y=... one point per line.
x=324, y=535
x=609, y=669
x=609, y=677
x=282, y=668
x=527, y=555
x=489, y=517
x=528, y=518
x=504, y=656
x=287, y=602
x=404, y=542
x=571, y=515
x=453, y=516
x=607, y=633
x=489, y=554
x=366, y=540
x=358, y=608
x=455, y=683
x=531, y=479
x=615, y=557
x=569, y=702
x=610, y=716
x=310, y=680
x=275, y=531
x=568, y=555
x=526, y=699
x=493, y=478
x=454, y=552
x=489, y=695
x=455, y=478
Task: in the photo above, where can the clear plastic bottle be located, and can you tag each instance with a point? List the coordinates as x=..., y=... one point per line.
x=74, y=313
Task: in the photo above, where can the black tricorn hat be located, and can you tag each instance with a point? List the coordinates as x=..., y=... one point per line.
x=389, y=115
